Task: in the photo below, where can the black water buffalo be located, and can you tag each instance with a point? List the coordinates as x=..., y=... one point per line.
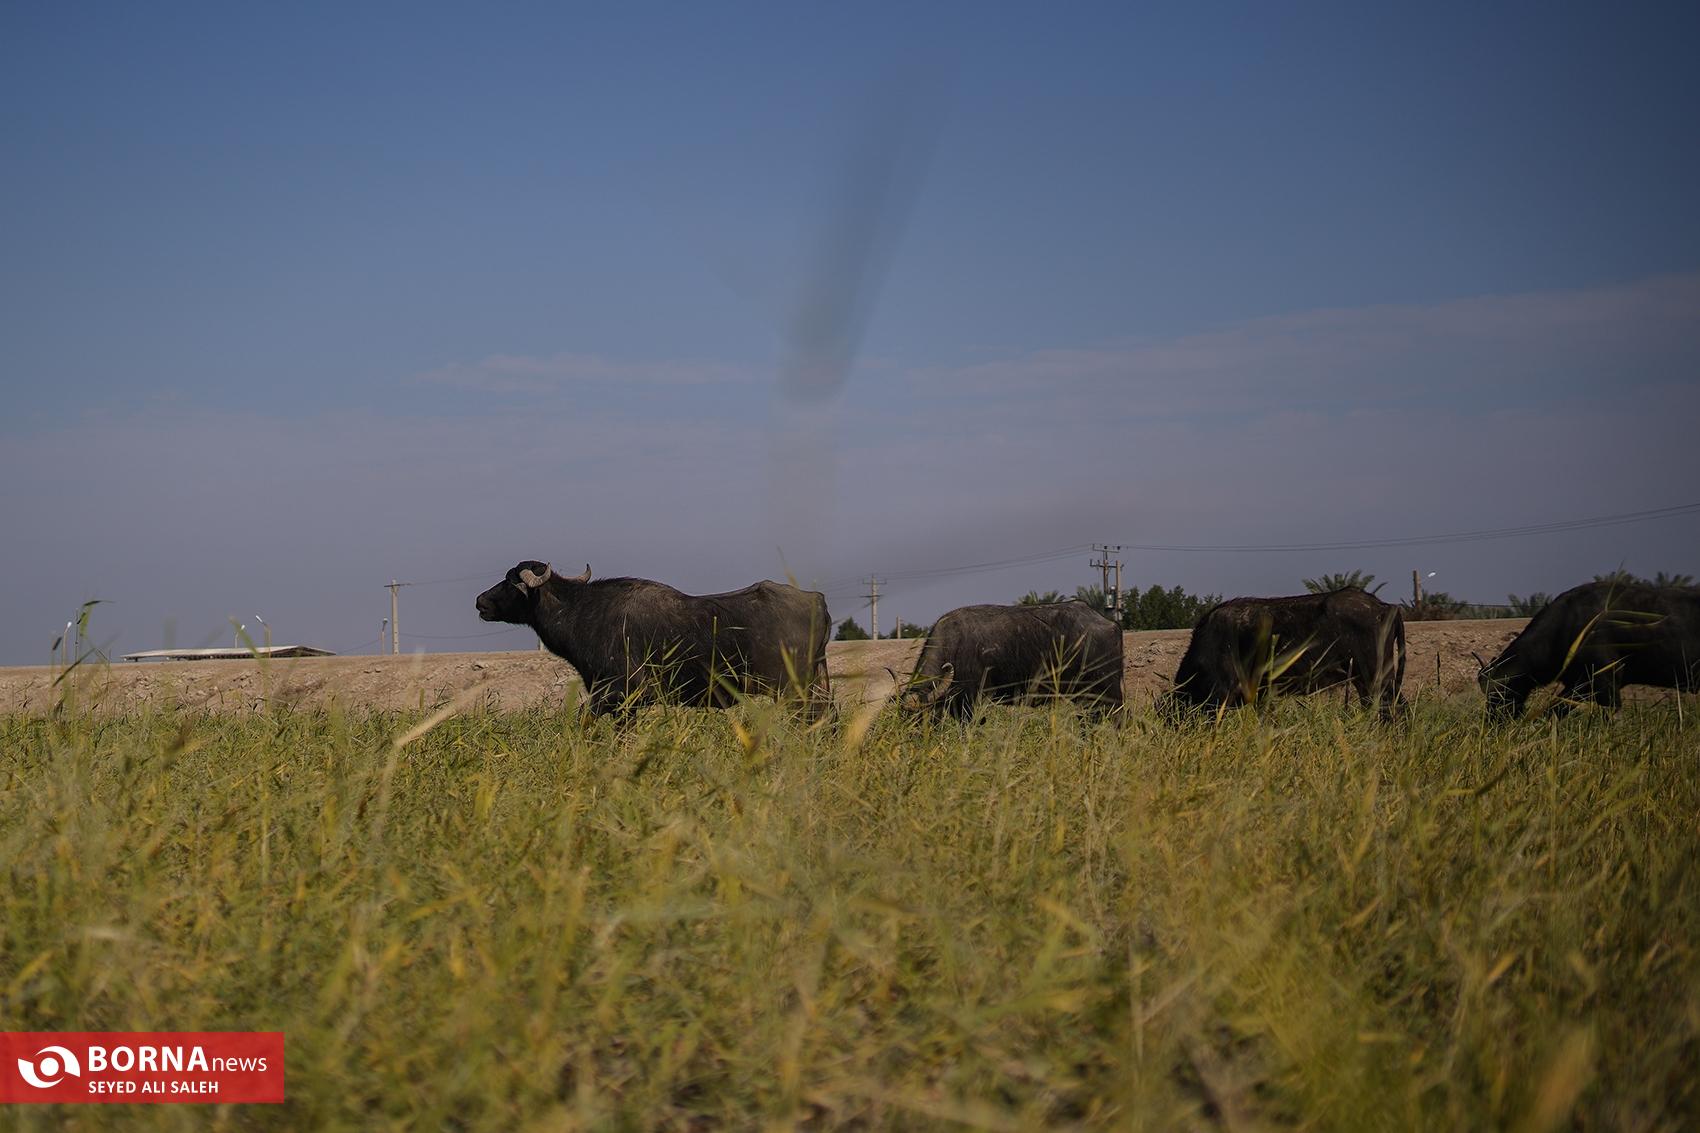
x=1017, y=653
x=1246, y=646
x=1596, y=638
x=634, y=641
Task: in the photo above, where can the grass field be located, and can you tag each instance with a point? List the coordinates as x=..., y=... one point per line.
x=724, y=920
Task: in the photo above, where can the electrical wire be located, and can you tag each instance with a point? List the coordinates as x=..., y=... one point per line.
x=996, y=564
x=1480, y=535
x=445, y=581
x=460, y=636
x=1424, y=540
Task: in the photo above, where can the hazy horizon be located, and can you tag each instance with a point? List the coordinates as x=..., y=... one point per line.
x=296, y=302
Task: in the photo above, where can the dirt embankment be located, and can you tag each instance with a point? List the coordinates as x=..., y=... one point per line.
x=1439, y=662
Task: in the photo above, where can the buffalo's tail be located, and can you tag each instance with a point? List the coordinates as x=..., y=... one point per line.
x=820, y=681
x=1390, y=694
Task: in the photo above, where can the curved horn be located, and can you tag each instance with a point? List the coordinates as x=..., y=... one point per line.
x=585, y=577
x=918, y=692
x=533, y=581
x=903, y=690
x=947, y=674
x=1480, y=664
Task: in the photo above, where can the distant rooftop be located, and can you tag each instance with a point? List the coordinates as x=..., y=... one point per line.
x=228, y=653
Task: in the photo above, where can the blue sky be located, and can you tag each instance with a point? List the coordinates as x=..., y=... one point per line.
x=297, y=300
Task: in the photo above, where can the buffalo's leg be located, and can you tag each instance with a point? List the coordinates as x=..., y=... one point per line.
x=1608, y=693
x=602, y=705
x=819, y=701
x=1380, y=694
x=1571, y=693
x=600, y=701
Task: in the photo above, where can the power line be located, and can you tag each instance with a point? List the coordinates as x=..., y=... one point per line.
x=462, y=636
x=997, y=564
x=1480, y=535
x=1557, y=526
x=445, y=581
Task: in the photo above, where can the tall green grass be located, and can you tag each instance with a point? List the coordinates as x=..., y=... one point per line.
x=731, y=920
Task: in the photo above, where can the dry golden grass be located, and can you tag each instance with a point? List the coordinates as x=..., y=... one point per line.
x=728, y=920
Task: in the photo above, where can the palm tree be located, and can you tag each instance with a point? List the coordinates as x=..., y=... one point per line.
x=1437, y=605
x=1357, y=579
x=1661, y=579
x=1034, y=598
x=1530, y=606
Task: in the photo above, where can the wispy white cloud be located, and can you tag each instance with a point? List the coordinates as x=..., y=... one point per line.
x=1527, y=345
x=1312, y=427
x=1317, y=426
x=1288, y=476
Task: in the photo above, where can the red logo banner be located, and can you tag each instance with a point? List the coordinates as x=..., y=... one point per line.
x=131, y=1067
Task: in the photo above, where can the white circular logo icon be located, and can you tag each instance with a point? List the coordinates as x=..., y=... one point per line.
x=52, y=1063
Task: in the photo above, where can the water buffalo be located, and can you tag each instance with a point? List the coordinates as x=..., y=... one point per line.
x=1596, y=638
x=1017, y=653
x=1246, y=646
x=635, y=641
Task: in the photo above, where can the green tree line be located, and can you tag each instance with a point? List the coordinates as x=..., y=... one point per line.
x=1151, y=608
x=851, y=630
x=1175, y=608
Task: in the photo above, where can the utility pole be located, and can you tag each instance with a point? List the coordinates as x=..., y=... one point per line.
x=874, y=605
x=1416, y=589
x=1117, y=604
x=395, y=619
x=383, y=635
x=1112, y=598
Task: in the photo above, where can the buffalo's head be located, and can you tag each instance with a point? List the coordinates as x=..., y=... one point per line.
x=513, y=599
x=1171, y=708
x=924, y=693
x=1500, y=683
x=1185, y=700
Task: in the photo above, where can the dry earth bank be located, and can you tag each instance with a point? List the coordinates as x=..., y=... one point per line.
x=1439, y=663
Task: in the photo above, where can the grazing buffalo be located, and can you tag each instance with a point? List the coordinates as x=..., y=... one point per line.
x=1595, y=639
x=1246, y=646
x=1016, y=653
x=635, y=641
